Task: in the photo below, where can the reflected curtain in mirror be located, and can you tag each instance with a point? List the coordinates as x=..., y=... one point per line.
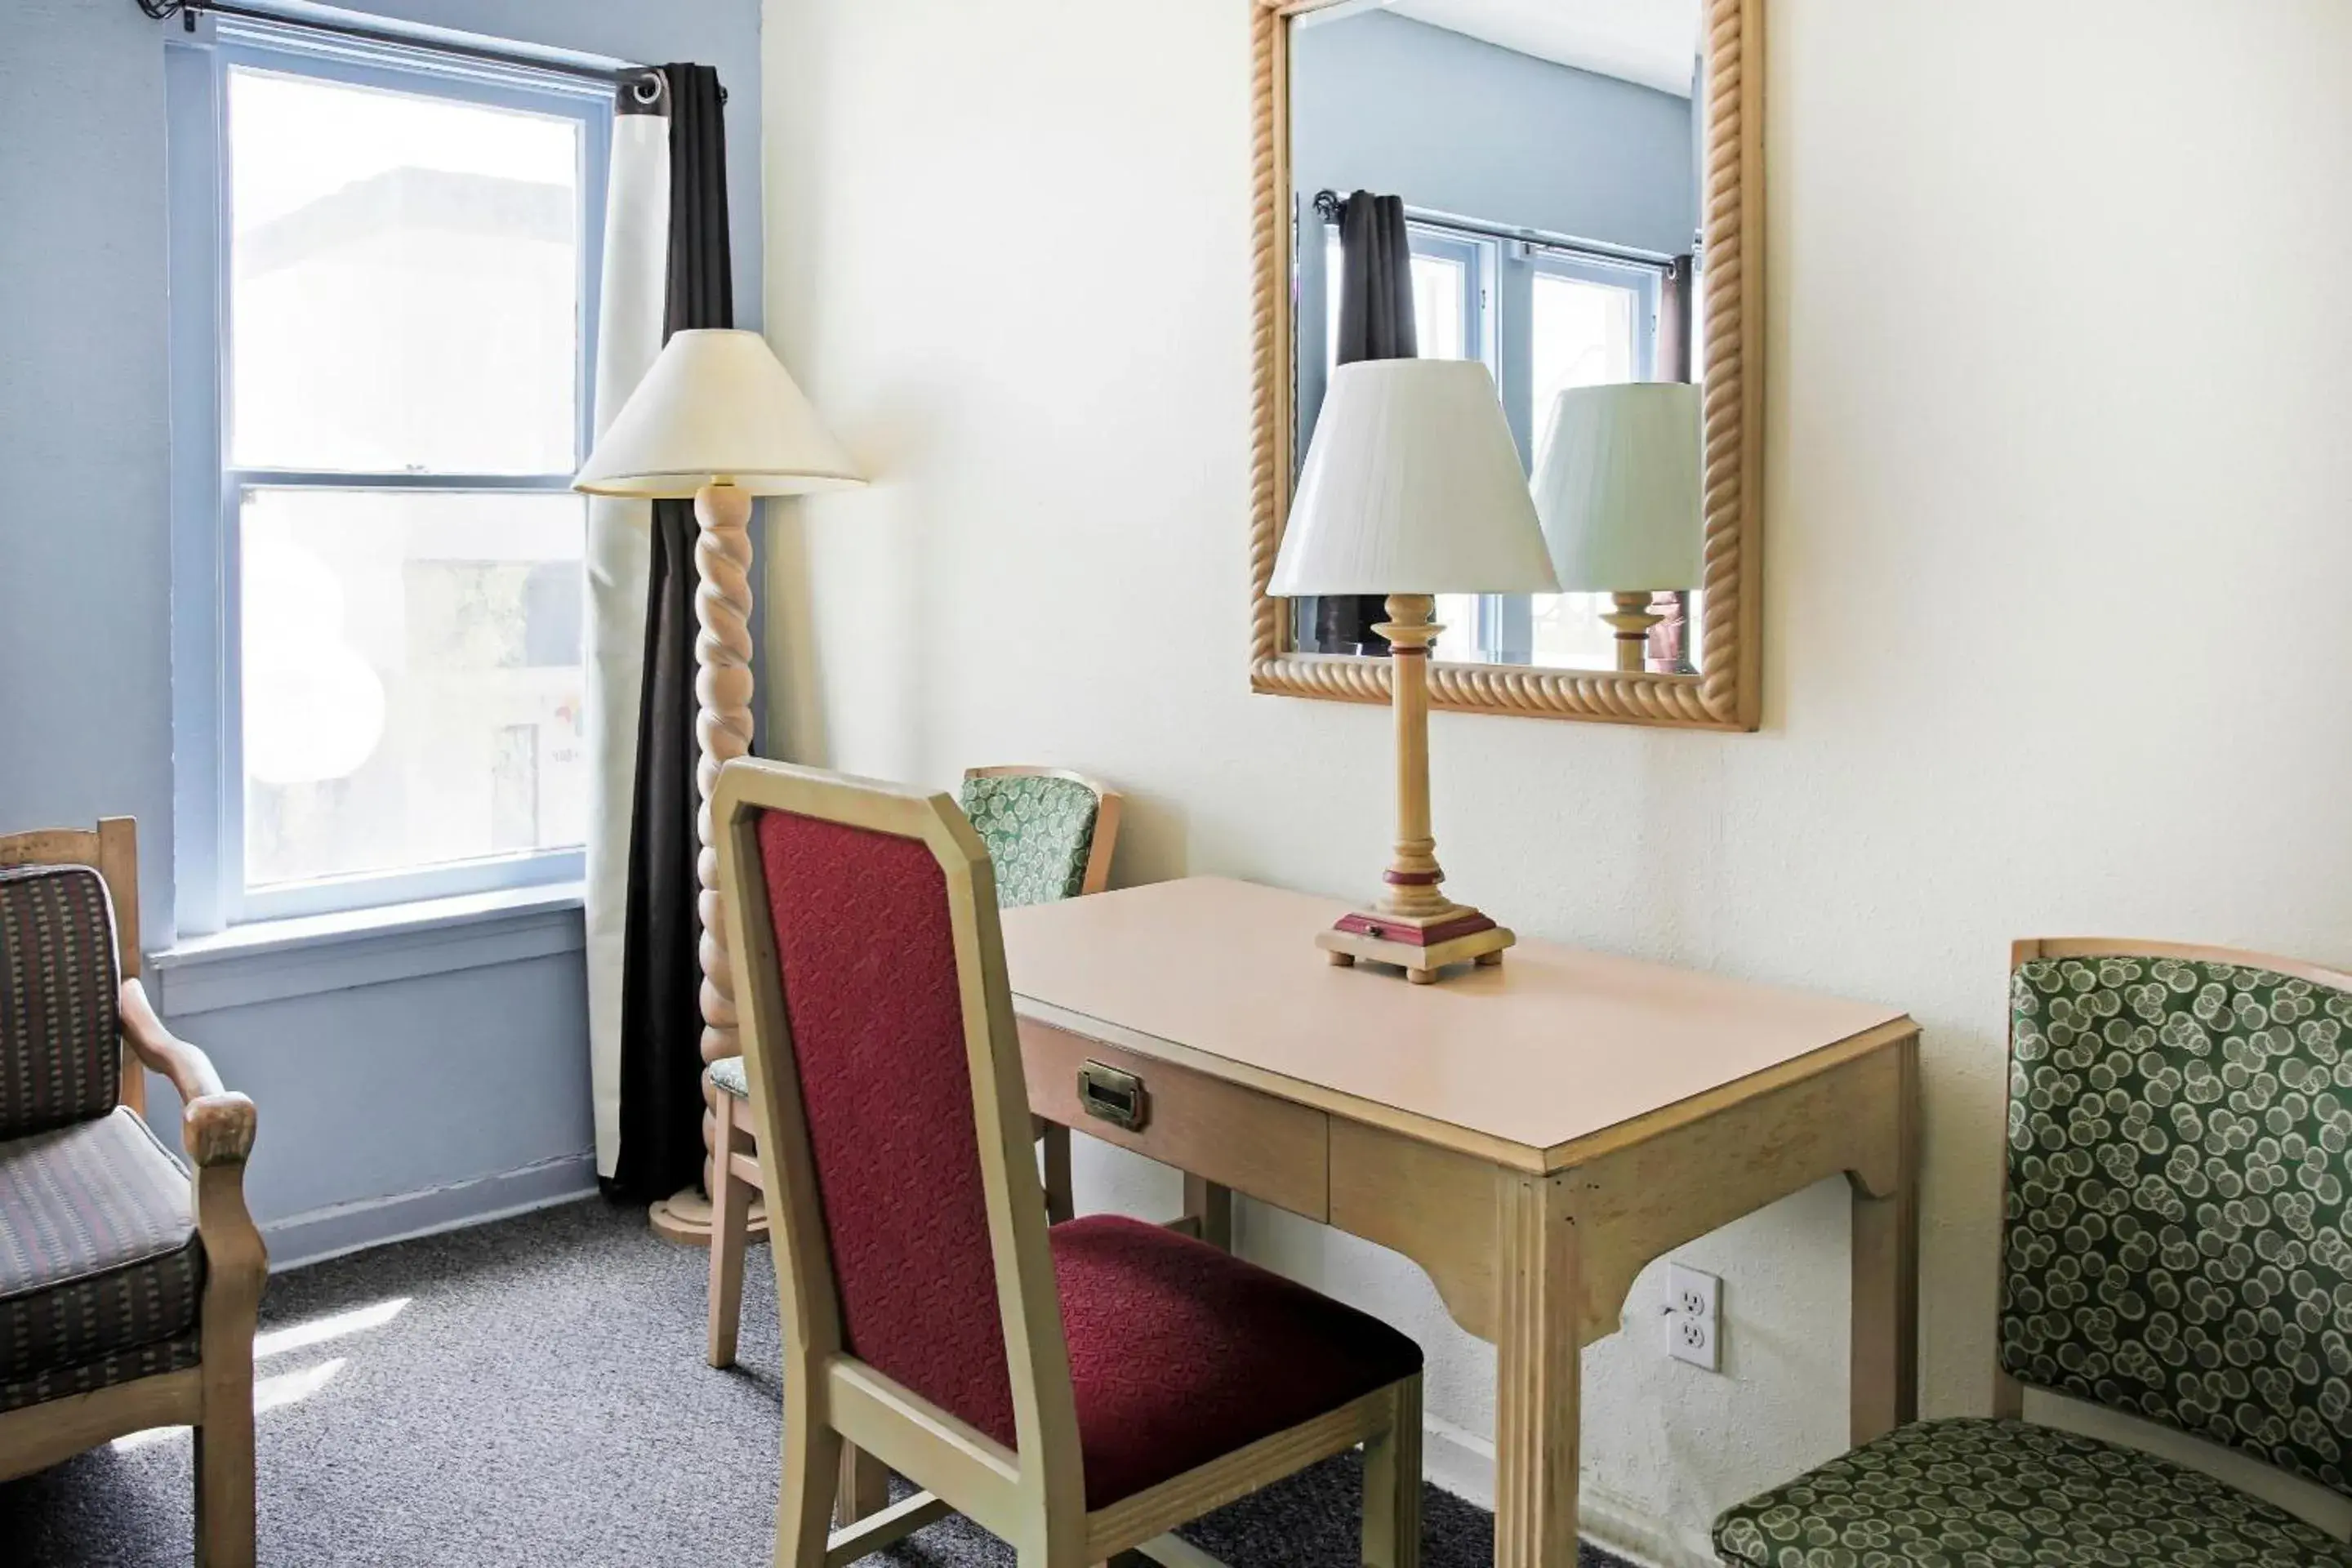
x=1376, y=321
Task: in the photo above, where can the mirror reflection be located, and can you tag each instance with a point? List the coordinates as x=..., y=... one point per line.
x=1517, y=182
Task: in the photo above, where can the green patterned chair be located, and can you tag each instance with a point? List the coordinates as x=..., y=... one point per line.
x=2177, y=1244
x=1050, y=834
x=128, y=1286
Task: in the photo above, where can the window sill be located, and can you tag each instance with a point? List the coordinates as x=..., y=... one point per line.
x=273, y=960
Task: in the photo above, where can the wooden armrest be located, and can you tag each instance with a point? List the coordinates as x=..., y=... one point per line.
x=218, y=1125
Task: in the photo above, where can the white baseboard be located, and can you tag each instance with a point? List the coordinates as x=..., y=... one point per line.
x=1462, y=1462
x=316, y=1234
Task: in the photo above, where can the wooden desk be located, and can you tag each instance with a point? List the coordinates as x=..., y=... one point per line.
x=1532, y=1135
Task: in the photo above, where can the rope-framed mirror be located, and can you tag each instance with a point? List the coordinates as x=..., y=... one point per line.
x=1631, y=254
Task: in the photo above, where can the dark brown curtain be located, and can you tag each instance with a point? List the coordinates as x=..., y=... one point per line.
x=1376, y=321
x=661, y=977
x=1674, y=322
x=1667, y=652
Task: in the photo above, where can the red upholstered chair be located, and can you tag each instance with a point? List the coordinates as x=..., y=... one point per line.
x=1077, y=1390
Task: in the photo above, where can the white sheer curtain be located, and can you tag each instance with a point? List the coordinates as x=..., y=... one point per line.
x=628, y=337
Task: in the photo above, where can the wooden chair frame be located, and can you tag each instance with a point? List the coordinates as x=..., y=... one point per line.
x=215, y=1397
x=1033, y=1495
x=734, y=1146
x=2007, y=1392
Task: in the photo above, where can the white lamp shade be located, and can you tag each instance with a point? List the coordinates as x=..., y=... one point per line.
x=716, y=408
x=1617, y=486
x=1412, y=486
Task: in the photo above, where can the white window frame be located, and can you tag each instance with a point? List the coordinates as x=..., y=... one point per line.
x=208, y=765
x=1506, y=630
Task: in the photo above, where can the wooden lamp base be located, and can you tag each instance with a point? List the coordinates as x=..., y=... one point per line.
x=1418, y=946
x=1413, y=926
x=684, y=1217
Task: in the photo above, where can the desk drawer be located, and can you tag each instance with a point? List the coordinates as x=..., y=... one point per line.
x=1270, y=1149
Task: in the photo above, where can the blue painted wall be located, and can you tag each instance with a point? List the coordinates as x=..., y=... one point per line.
x=384, y=1093
x=1383, y=104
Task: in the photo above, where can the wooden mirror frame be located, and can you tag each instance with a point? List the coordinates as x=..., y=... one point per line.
x=1725, y=694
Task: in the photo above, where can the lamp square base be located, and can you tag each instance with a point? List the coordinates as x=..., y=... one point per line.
x=1422, y=962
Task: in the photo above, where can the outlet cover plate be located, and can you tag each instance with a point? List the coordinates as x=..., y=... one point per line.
x=1694, y=1325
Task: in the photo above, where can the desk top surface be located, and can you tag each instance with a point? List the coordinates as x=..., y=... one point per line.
x=1551, y=1047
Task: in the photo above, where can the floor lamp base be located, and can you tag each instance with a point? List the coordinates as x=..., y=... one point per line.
x=684, y=1217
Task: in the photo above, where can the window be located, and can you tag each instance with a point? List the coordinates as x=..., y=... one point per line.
x=1589, y=325
x=1543, y=319
x=384, y=699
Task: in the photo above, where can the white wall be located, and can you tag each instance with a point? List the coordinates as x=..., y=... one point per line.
x=2058, y=530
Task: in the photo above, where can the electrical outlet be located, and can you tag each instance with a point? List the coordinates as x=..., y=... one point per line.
x=1694, y=1327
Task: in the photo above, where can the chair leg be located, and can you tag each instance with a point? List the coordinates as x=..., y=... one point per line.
x=1392, y=1485
x=804, y=1512
x=237, y=1266
x=731, y=1211
x=863, y=1489
x=1059, y=1202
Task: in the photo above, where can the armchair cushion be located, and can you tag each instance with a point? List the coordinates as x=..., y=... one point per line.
x=1939, y=1494
x=101, y=1271
x=1039, y=830
x=1181, y=1353
x=60, y=1042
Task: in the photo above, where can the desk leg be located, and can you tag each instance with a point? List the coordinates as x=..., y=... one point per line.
x=1539, y=1364
x=1213, y=1206
x=1885, y=1374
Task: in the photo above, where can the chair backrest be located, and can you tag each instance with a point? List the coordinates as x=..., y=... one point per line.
x=879, y=1040
x=1050, y=833
x=68, y=937
x=2178, y=1231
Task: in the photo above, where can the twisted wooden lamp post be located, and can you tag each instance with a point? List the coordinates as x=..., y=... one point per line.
x=717, y=418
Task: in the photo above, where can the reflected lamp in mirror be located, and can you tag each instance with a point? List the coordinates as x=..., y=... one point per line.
x=1617, y=488
x=1412, y=487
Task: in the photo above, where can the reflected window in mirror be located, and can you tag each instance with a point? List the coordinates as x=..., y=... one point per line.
x=1547, y=160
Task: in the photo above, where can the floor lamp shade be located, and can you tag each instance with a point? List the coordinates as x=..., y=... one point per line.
x=1617, y=487
x=1412, y=485
x=717, y=408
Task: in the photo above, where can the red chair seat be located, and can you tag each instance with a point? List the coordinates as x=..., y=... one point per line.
x=1181, y=1353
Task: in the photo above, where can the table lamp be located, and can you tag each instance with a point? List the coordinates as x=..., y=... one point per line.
x=1617, y=487
x=716, y=418
x=1412, y=488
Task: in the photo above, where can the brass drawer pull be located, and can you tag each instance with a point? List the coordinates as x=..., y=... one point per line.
x=1112, y=1096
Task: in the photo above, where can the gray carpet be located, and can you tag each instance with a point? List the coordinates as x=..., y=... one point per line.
x=541, y=1399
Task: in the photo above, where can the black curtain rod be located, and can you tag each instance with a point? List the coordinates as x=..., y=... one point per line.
x=644, y=83
x=1329, y=203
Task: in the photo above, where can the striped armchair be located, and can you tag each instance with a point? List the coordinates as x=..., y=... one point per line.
x=128, y=1289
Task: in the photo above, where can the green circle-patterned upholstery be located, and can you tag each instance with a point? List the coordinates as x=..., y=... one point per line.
x=2008, y=1494
x=1038, y=830
x=2178, y=1244
x=728, y=1073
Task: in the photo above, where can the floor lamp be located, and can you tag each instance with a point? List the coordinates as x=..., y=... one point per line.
x=716, y=418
